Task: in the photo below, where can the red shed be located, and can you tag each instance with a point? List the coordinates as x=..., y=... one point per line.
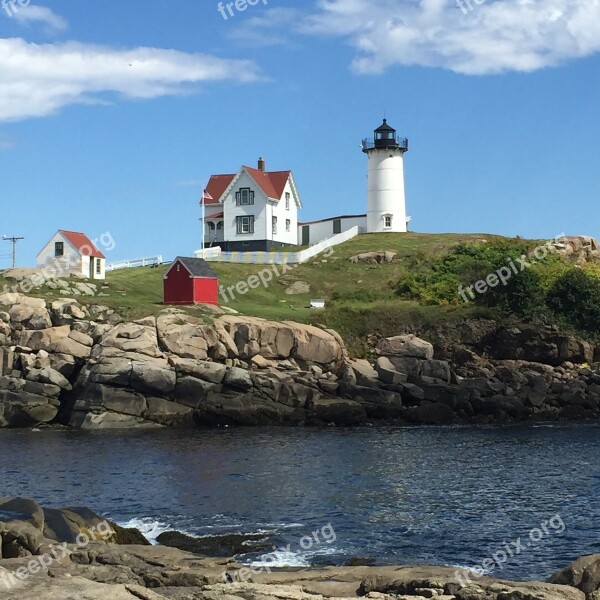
x=191, y=281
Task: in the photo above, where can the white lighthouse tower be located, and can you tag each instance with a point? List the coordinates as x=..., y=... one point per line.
x=386, y=210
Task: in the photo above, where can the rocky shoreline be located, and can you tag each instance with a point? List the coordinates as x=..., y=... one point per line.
x=85, y=367
x=51, y=554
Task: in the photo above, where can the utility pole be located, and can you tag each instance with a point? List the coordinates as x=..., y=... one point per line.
x=14, y=241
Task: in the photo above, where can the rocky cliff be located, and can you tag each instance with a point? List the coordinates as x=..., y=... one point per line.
x=85, y=367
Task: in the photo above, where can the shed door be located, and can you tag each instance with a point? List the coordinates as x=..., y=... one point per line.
x=305, y=235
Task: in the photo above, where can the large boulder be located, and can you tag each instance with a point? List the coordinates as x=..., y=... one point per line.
x=49, y=376
x=583, y=574
x=44, y=339
x=387, y=372
x=405, y=345
x=185, y=336
x=254, y=336
x=131, y=338
x=25, y=409
x=152, y=380
x=30, y=317
x=316, y=345
x=365, y=374
x=209, y=371
x=98, y=398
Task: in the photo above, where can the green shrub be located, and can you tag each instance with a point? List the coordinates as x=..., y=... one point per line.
x=575, y=297
x=522, y=295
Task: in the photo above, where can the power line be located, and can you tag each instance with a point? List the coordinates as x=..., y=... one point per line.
x=13, y=240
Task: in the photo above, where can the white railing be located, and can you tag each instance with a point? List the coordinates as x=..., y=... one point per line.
x=340, y=238
x=278, y=258
x=137, y=262
x=209, y=253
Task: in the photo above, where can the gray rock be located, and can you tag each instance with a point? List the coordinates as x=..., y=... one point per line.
x=151, y=380
x=405, y=345
x=237, y=378
x=387, y=372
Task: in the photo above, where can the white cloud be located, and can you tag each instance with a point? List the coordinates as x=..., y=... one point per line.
x=494, y=37
x=39, y=80
x=270, y=28
x=40, y=14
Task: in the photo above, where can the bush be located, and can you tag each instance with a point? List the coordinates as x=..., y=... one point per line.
x=523, y=295
x=575, y=297
x=437, y=281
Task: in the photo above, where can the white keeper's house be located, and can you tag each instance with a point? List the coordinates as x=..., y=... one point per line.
x=254, y=209
x=72, y=252
x=257, y=209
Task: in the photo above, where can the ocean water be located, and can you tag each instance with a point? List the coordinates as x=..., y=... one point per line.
x=417, y=495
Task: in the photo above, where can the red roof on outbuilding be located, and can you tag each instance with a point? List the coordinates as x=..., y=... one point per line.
x=83, y=243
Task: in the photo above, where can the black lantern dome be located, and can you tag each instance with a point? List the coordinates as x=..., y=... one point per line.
x=385, y=138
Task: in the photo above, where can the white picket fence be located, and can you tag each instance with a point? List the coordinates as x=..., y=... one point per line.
x=137, y=262
x=278, y=258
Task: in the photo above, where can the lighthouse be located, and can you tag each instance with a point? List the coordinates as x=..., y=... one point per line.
x=386, y=210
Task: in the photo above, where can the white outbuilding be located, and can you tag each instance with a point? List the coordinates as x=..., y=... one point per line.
x=72, y=252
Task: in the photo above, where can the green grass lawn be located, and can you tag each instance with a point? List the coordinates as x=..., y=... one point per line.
x=351, y=291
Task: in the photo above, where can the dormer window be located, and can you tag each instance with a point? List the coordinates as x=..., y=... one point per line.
x=244, y=197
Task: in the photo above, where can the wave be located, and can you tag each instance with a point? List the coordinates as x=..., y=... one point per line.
x=150, y=528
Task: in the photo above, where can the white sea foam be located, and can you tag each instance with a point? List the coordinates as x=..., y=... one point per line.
x=150, y=528
x=280, y=558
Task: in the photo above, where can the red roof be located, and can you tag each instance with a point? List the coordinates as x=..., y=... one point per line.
x=271, y=183
x=83, y=243
x=216, y=187
x=215, y=216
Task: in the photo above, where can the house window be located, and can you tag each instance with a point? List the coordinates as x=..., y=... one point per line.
x=244, y=197
x=287, y=201
x=59, y=249
x=98, y=267
x=288, y=225
x=220, y=226
x=337, y=226
x=211, y=225
x=245, y=224
x=274, y=225
x=387, y=221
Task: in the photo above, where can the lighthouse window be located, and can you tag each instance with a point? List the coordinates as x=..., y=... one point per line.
x=388, y=220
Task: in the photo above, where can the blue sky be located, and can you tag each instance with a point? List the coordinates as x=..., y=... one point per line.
x=113, y=115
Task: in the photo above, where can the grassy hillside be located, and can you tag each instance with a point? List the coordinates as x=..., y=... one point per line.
x=360, y=298
x=138, y=292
